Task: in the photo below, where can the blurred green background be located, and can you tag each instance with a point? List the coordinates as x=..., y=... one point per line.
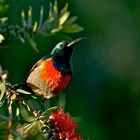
x=105, y=90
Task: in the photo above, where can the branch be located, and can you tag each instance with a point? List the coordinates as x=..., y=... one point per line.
x=57, y=21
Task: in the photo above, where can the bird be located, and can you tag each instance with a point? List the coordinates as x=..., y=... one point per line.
x=52, y=73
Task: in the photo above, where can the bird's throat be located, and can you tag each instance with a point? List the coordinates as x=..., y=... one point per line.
x=62, y=64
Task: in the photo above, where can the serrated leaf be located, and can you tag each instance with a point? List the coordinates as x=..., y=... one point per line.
x=71, y=20
x=63, y=18
x=2, y=90
x=72, y=28
x=23, y=91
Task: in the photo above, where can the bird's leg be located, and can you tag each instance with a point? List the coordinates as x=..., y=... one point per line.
x=16, y=86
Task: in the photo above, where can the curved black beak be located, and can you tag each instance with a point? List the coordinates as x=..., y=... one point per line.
x=72, y=43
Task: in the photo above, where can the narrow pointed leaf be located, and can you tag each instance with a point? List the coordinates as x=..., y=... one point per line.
x=1, y=38
x=41, y=17
x=47, y=24
x=21, y=38
x=30, y=17
x=50, y=11
x=24, y=24
x=71, y=20
x=16, y=133
x=64, y=9
x=35, y=26
x=17, y=111
x=50, y=110
x=4, y=19
x=55, y=7
x=13, y=97
x=72, y=29
x=56, y=30
x=63, y=18
x=23, y=91
x=33, y=44
x=28, y=127
x=2, y=90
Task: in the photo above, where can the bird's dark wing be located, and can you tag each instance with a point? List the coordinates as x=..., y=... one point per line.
x=39, y=62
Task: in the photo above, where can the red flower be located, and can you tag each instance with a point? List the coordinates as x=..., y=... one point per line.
x=63, y=126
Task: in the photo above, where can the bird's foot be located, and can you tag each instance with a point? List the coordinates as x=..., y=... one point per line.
x=16, y=86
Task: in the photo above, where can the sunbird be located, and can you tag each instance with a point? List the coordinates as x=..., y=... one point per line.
x=52, y=73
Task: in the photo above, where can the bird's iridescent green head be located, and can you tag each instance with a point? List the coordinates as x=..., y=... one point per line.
x=65, y=48
x=61, y=49
x=61, y=55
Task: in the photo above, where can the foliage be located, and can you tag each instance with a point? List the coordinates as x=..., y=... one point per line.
x=58, y=21
x=24, y=115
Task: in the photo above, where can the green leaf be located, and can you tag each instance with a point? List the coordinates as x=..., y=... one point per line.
x=52, y=108
x=3, y=117
x=71, y=20
x=24, y=24
x=55, y=9
x=1, y=38
x=35, y=26
x=17, y=111
x=56, y=30
x=23, y=91
x=16, y=133
x=33, y=44
x=72, y=28
x=64, y=10
x=49, y=111
x=29, y=127
x=41, y=17
x=4, y=19
x=63, y=18
x=50, y=11
x=2, y=90
x=25, y=113
x=13, y=97
x=47, y=24
x=21, y=38
x=30, y=17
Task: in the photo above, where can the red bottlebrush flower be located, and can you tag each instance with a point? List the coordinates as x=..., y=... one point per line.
x=63, y=125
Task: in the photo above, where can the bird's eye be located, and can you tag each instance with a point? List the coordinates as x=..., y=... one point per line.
x=64, y=45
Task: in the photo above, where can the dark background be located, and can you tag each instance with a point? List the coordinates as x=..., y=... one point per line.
x=104, y=94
